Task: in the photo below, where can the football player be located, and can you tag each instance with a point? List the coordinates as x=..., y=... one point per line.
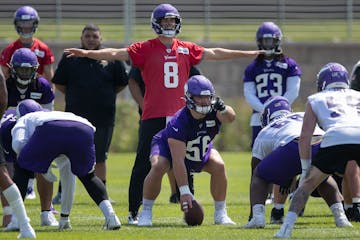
x=8, y=121
x=24, y=83
x=335, y=109
x=164, y=62
x=270, y=74
x=275, y=159
x=186, y=146
x=60, y=133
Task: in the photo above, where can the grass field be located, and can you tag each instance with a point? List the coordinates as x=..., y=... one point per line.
x=87, y=219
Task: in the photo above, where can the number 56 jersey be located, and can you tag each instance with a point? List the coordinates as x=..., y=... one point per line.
x=197, y=134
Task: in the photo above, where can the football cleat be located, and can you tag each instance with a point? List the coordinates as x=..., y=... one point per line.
x=256, y=222
x=64, y=223
x=174, y=198
x=223, y=219
x=13, y=226
x=269, y=199
x=284, y=231
x=145, y=218
x=27, y=232
x=112, y=223
x=353, y=213
x=30, y=193
x=343, y=222
x=277, y=216
x=48, y=219
x=132, y=219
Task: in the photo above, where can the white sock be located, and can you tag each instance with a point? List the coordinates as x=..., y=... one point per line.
x=290, y=218
x=106, y=208
x=220, y=205
x=337, y=210
x=13, y=196
x=67, y=184
x=278, y=206
x=356, y=200
x=147, y=204
x=258, y=210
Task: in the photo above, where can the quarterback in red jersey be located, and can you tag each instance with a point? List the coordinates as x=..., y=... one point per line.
x=164, y=63
x=26, y=21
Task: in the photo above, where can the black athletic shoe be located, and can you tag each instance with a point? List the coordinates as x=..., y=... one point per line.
x=174, y=198
x=277, y=216
x=353, y=213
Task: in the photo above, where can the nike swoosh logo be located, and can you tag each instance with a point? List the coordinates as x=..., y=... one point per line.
x=6, y=152
x=175, y=129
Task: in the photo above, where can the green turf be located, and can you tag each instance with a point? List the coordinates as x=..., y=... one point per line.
x=87, y=219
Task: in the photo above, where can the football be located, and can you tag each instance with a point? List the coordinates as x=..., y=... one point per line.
x=195, y=215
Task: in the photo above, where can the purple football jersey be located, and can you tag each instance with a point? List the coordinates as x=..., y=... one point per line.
x=270, y=76
x=7, y=123
x=40, y=91
x=196, y=133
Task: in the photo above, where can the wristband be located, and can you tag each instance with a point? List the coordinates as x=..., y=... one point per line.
x=305, y=164
x=7, y=210
x=184, y=189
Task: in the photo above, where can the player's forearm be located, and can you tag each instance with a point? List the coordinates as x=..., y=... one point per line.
x=223, y=53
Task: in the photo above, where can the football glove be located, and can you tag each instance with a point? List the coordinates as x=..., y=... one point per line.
x=219, y=105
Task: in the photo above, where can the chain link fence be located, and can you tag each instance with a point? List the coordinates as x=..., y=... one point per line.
x=203, y=20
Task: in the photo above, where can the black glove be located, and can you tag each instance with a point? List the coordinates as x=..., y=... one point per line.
x=219, y=104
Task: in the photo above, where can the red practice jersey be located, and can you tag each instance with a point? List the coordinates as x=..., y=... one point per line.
x=165, y=72
x=44, y=54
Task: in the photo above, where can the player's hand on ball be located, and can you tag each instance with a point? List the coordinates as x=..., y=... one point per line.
x=186, y=202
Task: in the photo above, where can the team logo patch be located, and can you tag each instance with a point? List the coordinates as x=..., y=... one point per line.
x=210, y=123
x=281, y=65
x=39, y=53
x=183, y=50
x=35, y=95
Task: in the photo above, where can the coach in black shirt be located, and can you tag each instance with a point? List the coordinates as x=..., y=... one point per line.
x=90, y=88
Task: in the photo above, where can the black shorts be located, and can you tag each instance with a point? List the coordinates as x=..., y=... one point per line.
x=333, y=160
x=102, y=140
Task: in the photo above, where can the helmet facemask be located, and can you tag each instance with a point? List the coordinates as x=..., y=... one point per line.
x=24, y=74
x=201, y=87
x=31, y=25
x=198, y=106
